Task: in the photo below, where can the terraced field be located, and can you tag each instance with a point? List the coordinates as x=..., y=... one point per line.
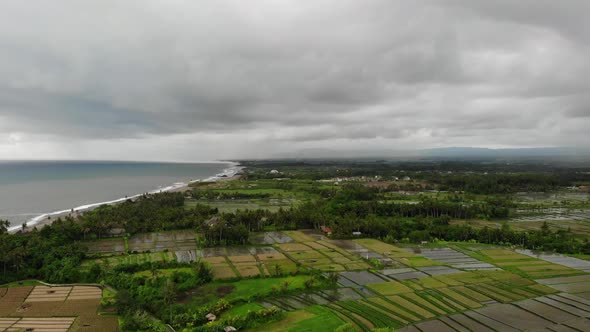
x=450, y=294
x=560, y=312
x=276, y=253
x=458, y=288
x=526, y=265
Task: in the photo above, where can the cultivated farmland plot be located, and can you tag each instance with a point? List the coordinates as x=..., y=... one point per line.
x=572, y=262
x=154, y=242
x=361, y=277
x=270, y=238
x=108, y=246
x=408, y=275
x=437, y=270
x=341, y=294
x=562, y=312
x=553, y=214
x=454, y=258
x=576, y=284
x=54, y=309
x=61, y=324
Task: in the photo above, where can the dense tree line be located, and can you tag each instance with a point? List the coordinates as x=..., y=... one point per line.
x=54, y=252
x=468, y=176
x=211, y=195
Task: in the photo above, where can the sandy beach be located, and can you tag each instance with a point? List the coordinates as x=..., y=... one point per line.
x=232, y=173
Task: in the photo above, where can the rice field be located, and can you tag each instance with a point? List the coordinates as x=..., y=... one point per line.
x=61, y=324
x=561, y=312
x=458, y=288
x=53, y=309
x=153, y=242
x=320, y=254
x=525, y=265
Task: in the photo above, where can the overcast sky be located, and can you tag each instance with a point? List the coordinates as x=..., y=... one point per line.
x=202, y=80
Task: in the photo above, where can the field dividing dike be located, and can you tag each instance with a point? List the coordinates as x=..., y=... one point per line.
x=549, y=312
x=434, y=325
x=379, y=309
x=470, y=323
x=574, y=310
x=470, y=293
x=490, y=293
x=364, y=311
x=448, y=301
x=231, y=266
x=397, y=320
x=500, y=288
x=6, y=323
x=418, y=310
x=401, y=318
x=419, y=301
x=523, y=292
x=489, y=322
x=571, y=298
x=453, y=324
x=432, y=299
x=347, y=319
x=396, y=309
x=542, y=289
x=361, y=321
x=460, y=298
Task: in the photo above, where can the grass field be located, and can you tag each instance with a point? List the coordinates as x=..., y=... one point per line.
x=245, y=290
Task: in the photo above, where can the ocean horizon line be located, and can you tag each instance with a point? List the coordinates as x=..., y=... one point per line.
x=224, y=161
x=232, y=169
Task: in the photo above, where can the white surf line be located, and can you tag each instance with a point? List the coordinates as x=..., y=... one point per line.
x=228, y=172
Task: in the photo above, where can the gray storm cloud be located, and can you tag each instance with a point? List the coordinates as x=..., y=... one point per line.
x=223, y=79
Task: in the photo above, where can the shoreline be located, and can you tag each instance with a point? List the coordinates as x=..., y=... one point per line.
x=228, y=173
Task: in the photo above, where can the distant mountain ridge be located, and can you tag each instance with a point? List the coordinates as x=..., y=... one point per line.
x=513, y=152
x=443, y=153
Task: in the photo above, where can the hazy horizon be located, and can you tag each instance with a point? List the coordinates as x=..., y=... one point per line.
x=214, y=80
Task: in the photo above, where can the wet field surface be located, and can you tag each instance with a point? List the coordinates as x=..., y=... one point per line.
x=269, y=238
x=572, y=262
x=454, y=258
x=560, y=312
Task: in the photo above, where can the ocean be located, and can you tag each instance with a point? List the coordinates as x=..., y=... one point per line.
x=30, y=190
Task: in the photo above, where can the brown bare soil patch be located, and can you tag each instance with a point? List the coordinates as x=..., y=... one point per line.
x=32, y=309
x=214, y=260
x=242, y=259
x=223, y=272
x=12, y=299
x=78, y=308
x=61, y=324
x=45, y=293
x=97, y=324
x=85, y=293
x=248, y=270
x=5, y=323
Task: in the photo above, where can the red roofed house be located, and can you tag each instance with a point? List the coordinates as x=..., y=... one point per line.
x=326, y=230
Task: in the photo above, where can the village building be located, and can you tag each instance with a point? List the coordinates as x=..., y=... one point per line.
x=326, y=230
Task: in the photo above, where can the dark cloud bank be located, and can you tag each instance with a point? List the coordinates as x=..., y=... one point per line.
x=192, y=80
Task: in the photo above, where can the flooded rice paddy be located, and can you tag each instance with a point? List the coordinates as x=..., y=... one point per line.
x=572, y=262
